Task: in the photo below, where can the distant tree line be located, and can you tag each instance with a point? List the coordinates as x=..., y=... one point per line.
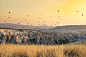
x=5, y=28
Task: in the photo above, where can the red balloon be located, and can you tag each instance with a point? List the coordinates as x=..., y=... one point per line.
x=9, y=17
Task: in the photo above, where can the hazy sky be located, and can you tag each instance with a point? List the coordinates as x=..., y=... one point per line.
x=20, y=9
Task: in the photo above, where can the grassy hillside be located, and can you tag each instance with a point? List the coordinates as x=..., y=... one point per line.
x=42, y=51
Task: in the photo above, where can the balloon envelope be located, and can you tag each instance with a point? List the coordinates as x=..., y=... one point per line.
x=58, y=16
x=82, y=14
x=9, y=17
x=50, y=16
x=58, y=10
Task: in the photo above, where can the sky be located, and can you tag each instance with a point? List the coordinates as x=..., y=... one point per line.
x=20, y=9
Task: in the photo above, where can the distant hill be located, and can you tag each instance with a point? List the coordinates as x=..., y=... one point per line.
x=69, y=28
x=66, y=28
x=19, y=26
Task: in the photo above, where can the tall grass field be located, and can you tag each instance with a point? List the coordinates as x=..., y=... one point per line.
x=11, y=50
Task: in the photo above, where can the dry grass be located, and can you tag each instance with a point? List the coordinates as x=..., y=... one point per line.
x=42, y=51
x=75, y=51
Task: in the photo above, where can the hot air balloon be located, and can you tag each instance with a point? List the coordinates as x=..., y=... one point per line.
x=41, y=14
x=82, y=14
x=50, y=16
x=28, y=23
x=57, y=22
x=58, y=10
x=41, y=18
x=4, y=21
x=38, y=21
x=25, y=20
x=9, y=12
x=18, y=23
x=44, y=20
x=9, y=17
x=77, y=11
x=58, y=16
x=28, y=15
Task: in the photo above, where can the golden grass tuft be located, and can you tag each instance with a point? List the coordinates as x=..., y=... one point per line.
x=12, y=50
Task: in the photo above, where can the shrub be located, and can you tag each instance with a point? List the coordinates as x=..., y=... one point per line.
x=64, y=41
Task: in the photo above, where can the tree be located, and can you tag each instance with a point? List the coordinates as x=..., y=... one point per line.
x=64, y=41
